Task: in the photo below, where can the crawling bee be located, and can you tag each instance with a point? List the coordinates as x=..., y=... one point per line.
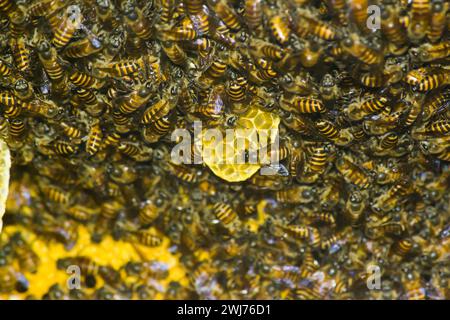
x=420, y=15
x=137, y=21
x=298, y=232
x=427, y=78
x=83, y=48
x=352, y=172
x=134, y=100
x=225, y=213
x=21, y=54
x=94, y=140
x=28, y=259
x=70, y=22
x=302, y=104
x=353, y=46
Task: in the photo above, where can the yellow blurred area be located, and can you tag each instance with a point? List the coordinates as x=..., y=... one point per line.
x=108, y=252
x=22, y=199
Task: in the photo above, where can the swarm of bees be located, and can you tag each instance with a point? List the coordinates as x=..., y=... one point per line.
x=91, y=91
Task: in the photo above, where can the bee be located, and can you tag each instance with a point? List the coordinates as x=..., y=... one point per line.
x=327, y=129
x=388, y=141
x=420, y=15
x=393, y=30
x=352, y=172
x=129, y=149
x=167, y=10
x=237, y=90
x=440, y=127
x=412, y=285
x=182, y=172
x=159, y=109
x=21, y=53
x=71, y=131
x=133, y=100
x=49, y=59
x=436, y=28
x=66, y=29
x=13, y=105
x=329, y=89
x=121, y=121
x=159, y=127
x=203, y=46
x=89, y=99
x=46, y=7
x=137, y=22
x=23, y=90
x=334, y=241
x=5, y=70
x=106, y=13
x=306, y=25
x=427, y=78
x=63, y=148
x=199, y=22
x=8, y=6
x=225, y=213
x=81, y=213
x=18, y=22
x=310, y=55
x=83, y=48
x=295, y=85
x=358, y=13
x=355, y=206
x=215, y=106
x=214, y=71
x=148, y=212
x=178, y=34
x=302, y=104
x=300, y=232
x=174, y=52
x=317, y=160
x=111, y=209
x=353, y=46
x=4, y=128
x=147, y=270
x=253, y=14
x=430, y=52
x=120, y=69
x=359, y=109
x=85, y=80
x=16, y=128
x=415, y=110
x=194, y=6
x=297, y=194
x=226, y=14
x=89, y=269
x=278, y=26
x=290, y=274
x=265, y=72
x=434, y=104
x=401, y=248
x=8, y=276
x=146, y=238
x=28, y=259
x=305, y=293
x=262, y=49
x=55, y=194
x=372, y=79
x=323, y=217
x=395, y=196
x=94, y=139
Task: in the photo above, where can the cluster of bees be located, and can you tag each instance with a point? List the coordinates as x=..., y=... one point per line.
x=91, y=90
